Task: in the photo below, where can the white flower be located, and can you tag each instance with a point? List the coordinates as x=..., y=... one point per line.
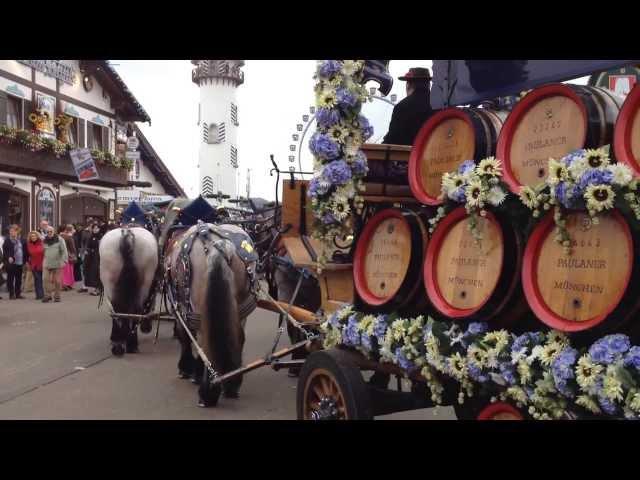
x=588, y=403
x=351, y=67
x=496, y=196
x=529, y=197
x=622, y=174
x=474, y=193
x=489, y=166
x=557, y=172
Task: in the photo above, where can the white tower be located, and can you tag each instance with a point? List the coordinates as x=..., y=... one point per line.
x=218, y=122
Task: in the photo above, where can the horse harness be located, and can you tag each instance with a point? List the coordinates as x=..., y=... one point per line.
x=211, y=236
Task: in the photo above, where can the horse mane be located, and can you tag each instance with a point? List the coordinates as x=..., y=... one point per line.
x=128, y=281
x=170, y=218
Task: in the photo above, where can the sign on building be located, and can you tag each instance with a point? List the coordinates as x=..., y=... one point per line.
x=53, y=68
x=83, y=164
x=133, y=143
x=619, y=80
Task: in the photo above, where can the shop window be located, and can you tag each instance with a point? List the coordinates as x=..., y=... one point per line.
x=95, y=136
x=46, y=206
x=14, y=112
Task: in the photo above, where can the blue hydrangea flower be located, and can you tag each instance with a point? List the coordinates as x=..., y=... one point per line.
x=562, y=370
x=380, y=326
x=466, y=166
x=633, y=358
x=568, y=160
x=600, y=352
x=329, y=68
x=618, y=343
x=367, y=128
x=350, y=335
x=402, y=360
x=316, y=188
x=561, y=194
x=322, y=146
x=607, y=405
x=563, y=388
x=595, y=177
x=476, y=328
x=458, y=195
x=327, y=117
x=328, y=218
x=333, y=320
x=345, y=98
x=337, y=172
x=476, y=373
x=508, y=372
x=359, y=165
x=365, y=341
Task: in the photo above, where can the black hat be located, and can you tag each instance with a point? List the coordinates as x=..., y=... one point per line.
x=417, y=73
x=133, y=214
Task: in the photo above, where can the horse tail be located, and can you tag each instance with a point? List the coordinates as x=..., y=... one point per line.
x=221, y=323
x=128, y=282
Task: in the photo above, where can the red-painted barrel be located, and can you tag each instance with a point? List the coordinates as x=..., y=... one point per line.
x=464, y=280
x=593, y=289
x=626, y=139
x=388, y=259
x=446, y=140
x=550, y=122
x=500, y=411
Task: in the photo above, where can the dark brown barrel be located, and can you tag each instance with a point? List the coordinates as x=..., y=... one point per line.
x=550, y=122
x=467, y=281
x=626, y=139
x=500, y=411
x=592, y=289
x=388, y=258
x=447, y=139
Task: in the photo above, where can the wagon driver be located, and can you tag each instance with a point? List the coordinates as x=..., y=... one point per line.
x=413, y=110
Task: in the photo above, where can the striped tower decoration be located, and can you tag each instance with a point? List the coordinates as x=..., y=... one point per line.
x=218, y=120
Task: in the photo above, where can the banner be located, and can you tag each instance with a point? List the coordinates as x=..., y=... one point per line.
x=83, y=164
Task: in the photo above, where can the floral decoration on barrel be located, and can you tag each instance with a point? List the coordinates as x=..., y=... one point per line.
x=540, y=372
x=585, y=180
x=339, y=163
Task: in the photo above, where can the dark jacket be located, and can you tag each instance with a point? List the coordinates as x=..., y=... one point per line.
x=8, y=251
x=408, y=117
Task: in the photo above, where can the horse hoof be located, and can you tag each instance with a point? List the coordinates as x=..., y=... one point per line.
x=183, y=375
x=234, y=395
x=146, y=326
x=117, y=350
x=195, y=381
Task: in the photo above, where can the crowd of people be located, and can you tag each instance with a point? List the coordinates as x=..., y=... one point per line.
x=52, y=261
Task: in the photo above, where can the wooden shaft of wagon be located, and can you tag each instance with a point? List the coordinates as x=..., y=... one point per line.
x=299, y=314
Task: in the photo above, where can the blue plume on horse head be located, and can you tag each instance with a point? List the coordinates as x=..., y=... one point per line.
x=133, y=214
x=198, y=209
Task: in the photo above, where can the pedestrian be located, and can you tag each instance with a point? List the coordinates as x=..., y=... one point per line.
x=68, y=278
x=92, y=260
x=15, y=255
x=44, y=224
x=35, y=247
x=55, y=256
x=85, y=236
x=2, y=272
x=77, y=240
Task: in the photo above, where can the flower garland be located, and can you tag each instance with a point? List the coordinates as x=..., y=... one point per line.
x=583, y=180
x=339, y=163
x=36, y=143
x=541, y=371
x=476, y=186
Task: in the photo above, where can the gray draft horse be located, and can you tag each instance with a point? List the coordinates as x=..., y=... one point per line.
x=211, y=286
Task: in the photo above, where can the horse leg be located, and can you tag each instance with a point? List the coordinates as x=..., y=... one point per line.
x=117, y=338
x=186, y=362
x=132, y=336
x=198, y=370
x=232, y=386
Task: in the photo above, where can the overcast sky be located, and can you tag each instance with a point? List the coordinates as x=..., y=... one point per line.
x=271, y=102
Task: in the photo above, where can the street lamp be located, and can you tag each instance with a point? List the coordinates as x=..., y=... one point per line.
x=394, y=97
x=299, y=127
x=305, y=118
x=312, y=110
x=295, y=137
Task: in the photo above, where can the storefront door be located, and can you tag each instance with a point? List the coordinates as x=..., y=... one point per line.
x=14, y=209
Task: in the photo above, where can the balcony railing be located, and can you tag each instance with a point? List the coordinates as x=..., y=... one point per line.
x=234, y=74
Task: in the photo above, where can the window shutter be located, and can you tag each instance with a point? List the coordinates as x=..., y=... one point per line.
x=234, y=157
x=221, y=133
x=105, y=139
x=3, y=108
x=234, y=114
x=26, y=111
x=81, y=133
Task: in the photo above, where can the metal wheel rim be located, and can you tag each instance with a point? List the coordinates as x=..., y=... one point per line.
x=322, y=384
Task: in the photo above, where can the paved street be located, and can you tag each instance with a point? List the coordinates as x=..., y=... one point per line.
x=55, y=363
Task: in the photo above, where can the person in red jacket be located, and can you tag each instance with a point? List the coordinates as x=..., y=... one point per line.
x=36, y=258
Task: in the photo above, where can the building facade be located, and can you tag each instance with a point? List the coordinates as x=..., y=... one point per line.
x=218, y=81
x=48, y=107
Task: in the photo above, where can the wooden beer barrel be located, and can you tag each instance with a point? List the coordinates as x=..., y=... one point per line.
x=500, y=411
x=550, y=122
x=626, y=139
x=581, y=291
x=446, y=140
x=467, y=281
x=388, y=258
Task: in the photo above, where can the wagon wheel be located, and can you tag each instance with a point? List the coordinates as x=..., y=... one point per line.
x=331, y=387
